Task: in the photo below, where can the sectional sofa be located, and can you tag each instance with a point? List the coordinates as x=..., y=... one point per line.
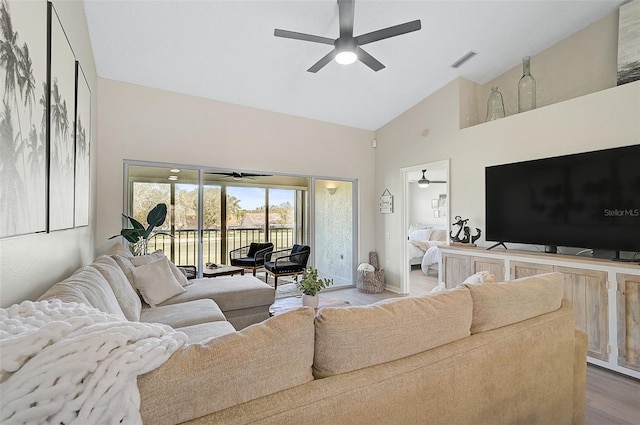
x=506, y=353
x=150, y=288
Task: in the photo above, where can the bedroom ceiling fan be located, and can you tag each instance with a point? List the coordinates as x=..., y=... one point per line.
x=347, y=47
x=239, y=176
x=424, y=181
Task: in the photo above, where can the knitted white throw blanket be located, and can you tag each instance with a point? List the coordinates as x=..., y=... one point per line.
x=67, y=363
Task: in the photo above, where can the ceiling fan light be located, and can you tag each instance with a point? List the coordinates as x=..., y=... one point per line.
x=424, y=181
x=346, y=57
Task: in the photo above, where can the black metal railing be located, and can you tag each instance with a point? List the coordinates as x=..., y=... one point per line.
x=183, y=247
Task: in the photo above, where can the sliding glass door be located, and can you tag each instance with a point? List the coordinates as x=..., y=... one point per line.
x=218, y=213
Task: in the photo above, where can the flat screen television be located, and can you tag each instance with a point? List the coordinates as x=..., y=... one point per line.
x=586, y=200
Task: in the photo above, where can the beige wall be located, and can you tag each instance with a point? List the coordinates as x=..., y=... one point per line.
x=607, y=118
x=139, y=123
x=30, y=264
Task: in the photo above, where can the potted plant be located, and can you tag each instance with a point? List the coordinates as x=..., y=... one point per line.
x=139, y=236
x=311, y=285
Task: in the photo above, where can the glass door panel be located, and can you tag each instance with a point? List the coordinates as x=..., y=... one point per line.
x=334, y=231
x=212, y=219
x=282, y=217
x=185, y=223
x=178, y=189
x=245, y=217
x=145, y=195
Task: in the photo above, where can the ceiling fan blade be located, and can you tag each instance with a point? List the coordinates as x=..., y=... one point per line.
x=219, y=174
x=437, y=181
x=254, y=175
x=345, y=15
x=369, y=60
x=302, y=36
x=388, y=32
x=322, y=62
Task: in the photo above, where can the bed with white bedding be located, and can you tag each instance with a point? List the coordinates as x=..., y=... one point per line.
x=423, y=246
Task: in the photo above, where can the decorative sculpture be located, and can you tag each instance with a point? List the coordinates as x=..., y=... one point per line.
x=467, y=238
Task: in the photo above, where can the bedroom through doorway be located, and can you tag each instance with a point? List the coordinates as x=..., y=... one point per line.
x=426, y=224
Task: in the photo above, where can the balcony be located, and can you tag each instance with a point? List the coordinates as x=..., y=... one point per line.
x=183, y=248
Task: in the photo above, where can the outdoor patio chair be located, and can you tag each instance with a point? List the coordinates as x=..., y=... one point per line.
x=251, y=256
x=287, y=262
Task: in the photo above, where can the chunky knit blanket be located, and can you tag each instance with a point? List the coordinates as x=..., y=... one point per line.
x=67, y=363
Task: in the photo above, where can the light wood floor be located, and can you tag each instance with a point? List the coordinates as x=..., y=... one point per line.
x=612, y=398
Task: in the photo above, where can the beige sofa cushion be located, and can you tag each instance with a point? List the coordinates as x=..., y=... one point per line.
x=127, y=297
x=351, y=338
x=128, y=262
x=229, y=292
x=155, y=282
x=259, y=360
x=203, y=332
x=86, y=286
x=141, y=260
x=505, y=303
x=184, y=314
x=120, y=249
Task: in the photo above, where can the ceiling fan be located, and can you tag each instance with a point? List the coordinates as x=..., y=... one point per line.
x=347, y=47
x=239, y=176
x=424, y=181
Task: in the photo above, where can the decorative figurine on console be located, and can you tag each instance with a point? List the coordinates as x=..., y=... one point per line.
x=467, y=238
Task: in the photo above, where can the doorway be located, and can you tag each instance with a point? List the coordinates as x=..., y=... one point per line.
x=425, y=222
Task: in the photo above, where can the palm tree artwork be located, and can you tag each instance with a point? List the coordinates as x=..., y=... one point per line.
x=62, y=116
x=83, y=137
x=23, y=38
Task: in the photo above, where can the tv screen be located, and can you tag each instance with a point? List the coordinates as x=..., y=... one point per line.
x=586, y=200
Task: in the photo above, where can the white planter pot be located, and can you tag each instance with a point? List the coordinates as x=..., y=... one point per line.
x=310, y=301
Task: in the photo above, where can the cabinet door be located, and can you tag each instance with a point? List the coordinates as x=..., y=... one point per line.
x=628, y=302
x=522, y=269
x=456, y=269
x=586, y=292
x=493, y=265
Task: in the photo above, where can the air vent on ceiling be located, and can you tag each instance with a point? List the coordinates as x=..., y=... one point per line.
x=463, y=59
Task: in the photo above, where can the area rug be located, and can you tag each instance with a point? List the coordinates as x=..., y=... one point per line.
x=287, y=286
x=286, y=290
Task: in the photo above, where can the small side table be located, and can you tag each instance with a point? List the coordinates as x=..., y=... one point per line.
x=223, y=270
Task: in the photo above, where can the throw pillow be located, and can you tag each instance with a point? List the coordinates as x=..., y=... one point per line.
x=141, y=260
x=420, y=235
x=481, y=277
x=156, y=282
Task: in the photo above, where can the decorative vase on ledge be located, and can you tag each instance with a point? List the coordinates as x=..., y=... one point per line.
x=495, y=105
x=526, y=87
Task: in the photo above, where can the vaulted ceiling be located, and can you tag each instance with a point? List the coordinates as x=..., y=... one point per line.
x=226, y=50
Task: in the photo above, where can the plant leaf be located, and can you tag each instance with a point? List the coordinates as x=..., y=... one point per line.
x=157, y=215
x=135, y=223
x=132, y=235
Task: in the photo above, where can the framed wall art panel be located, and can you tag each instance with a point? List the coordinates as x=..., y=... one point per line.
x=629, y=43
x=61, y=134
x=23, y=118
x=82, y=148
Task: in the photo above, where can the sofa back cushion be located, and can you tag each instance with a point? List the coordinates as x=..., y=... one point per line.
x=259, y=360
x=120, y=249
x=127, y=297
x=128, y=263
x=89, y=287
x=350, y=338
x=510, y=302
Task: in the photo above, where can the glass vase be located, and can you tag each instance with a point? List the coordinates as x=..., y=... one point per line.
x=495, y=105
x=526, y=88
